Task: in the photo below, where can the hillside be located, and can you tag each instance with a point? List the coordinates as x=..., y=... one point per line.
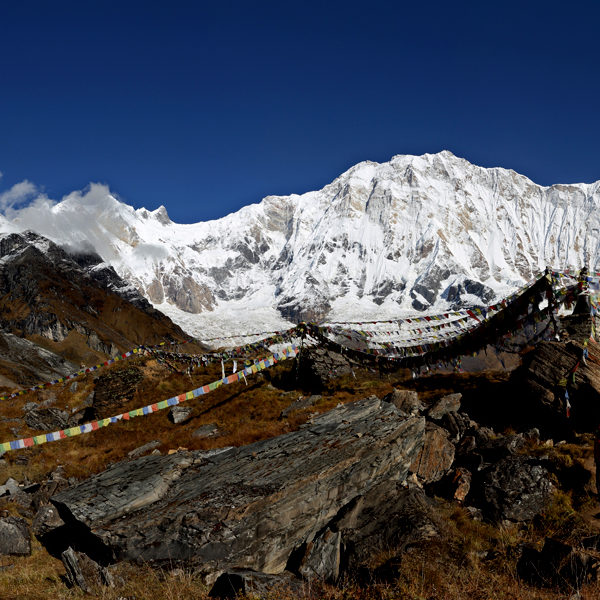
x=343, y=481
x=69, y=305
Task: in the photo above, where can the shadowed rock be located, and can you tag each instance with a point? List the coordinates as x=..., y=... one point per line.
x=246, y=507
x=516, y=488
x=450, y=403
x=558, y=565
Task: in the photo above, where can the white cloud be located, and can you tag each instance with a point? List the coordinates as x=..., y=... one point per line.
x=23, y=191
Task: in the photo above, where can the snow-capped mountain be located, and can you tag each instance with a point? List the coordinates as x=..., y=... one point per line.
x=416, y=233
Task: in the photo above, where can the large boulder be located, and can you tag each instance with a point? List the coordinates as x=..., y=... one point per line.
x=248, y=507
x=15, y=538
x=318, y=365
x=516, y=488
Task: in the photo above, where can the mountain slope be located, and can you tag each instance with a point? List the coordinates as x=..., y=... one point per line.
x=71, y=307
x=416, y=233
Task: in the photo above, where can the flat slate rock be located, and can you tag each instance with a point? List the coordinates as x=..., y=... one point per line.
x=247, y=507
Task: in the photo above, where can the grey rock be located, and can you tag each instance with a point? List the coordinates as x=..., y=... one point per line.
x=516, y=488
x=456, y=423
x=322, y=558
x=541, y=384
x=501, y=446
x=483, y=435
x=48, y=488
x=137, y=452
x=247, y=507
x=73, y=387
x=207, y=431
x=15, y=538
x=406, y=401
x=29, y=406
x=180, y=414
x=445, y=405
x=389, y=516
x=11, y=486
x=46, y=520
x=318, y=365
x=113, y=388
x=82, y=571
x=47, y=419
x=299, y=404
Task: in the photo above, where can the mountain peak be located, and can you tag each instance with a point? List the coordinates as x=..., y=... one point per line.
x=430, y=232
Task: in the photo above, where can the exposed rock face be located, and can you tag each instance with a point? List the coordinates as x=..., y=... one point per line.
x=81, y=570
x=436, y=456
x=248, y=507
x=180, y=414
x=46, y=292
x=24, y=363
x=322, y=557
x=388, y=516
x=46, y=419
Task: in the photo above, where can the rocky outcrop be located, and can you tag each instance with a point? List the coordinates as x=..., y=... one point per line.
x=78, y=309
x=47, y=419
x=444, y=405
x=82, y=571
x=180, y=414
x=559, y=382
x=250, y=507
x=319, y=365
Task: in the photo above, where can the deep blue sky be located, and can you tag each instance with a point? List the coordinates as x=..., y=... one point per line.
x=207, y=106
